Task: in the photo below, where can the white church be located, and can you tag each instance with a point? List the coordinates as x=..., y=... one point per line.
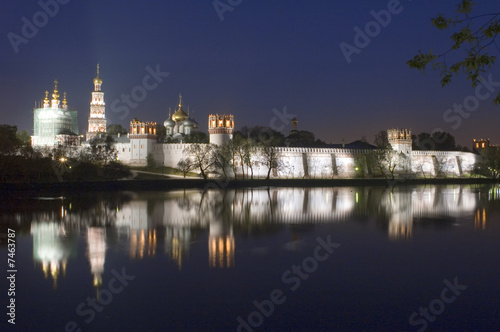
x=55, y=125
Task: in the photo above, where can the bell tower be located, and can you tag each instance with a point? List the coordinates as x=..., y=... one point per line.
x=97, y=118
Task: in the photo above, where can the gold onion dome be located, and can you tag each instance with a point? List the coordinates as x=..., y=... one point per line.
x=180, y=115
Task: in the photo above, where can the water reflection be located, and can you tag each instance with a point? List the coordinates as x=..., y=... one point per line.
x=96, y=252
x=171, y=222
x=52, y=247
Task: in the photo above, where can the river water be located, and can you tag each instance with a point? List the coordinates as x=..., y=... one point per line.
x=268, y=259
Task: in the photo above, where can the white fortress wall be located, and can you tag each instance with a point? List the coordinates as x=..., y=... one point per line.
x=450, y=163
x=305, y=162
x=170, y=154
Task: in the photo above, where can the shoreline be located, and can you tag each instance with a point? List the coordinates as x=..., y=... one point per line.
x=174, y=184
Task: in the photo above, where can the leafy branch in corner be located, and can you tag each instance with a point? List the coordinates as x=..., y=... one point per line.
x=474, y=34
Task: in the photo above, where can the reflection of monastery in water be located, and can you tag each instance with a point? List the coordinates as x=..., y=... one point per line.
x=96, y=252
x=52, y=247
x=171, y=222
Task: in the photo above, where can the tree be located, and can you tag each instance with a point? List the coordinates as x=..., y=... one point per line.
x=440, y=165
x=229, y=150
x=23, y=137
x=439, y=141
x=150, y=161
x=9, y=142
x=270, y=157
x=475, y=34
x=490, y=162
x=101, y=151
x=185, y=165
x=115, y=170
x=201, y=156
x=196, y=137
x=387, y=161
x=161, y=133
x=361, y=165
x=244, y=149
x=115, y=129
x=260, y=135
x=222, y=159
x=303, y=138
x=381, y=140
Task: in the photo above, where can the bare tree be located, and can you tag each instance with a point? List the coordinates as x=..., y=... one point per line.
x=388, y=161
x=202, y=158
x=440, y=165
x=244, y=149
x=223, y=159
x=270, y=157
x=185, y=165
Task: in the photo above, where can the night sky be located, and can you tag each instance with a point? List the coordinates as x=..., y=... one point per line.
x=263, y=55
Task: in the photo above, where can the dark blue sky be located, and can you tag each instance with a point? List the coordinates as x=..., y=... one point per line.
x=264, y=55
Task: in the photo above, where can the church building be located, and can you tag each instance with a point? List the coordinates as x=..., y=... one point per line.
x=53, y=123
x=180, y=124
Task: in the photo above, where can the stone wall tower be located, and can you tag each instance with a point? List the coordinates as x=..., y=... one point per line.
x=142, y=140
x=401, y=141
x=97, y=118
x=220, y=128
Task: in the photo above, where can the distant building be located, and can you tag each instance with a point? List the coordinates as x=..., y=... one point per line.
x=97, y=118
x=480, y=144
x=53, y=123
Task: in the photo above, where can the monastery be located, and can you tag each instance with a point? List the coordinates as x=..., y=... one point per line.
x=55, y=125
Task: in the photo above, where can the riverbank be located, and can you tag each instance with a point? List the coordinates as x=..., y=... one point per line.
x=176, y=183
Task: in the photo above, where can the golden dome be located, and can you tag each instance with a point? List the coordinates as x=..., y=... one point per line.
x=179, y=115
